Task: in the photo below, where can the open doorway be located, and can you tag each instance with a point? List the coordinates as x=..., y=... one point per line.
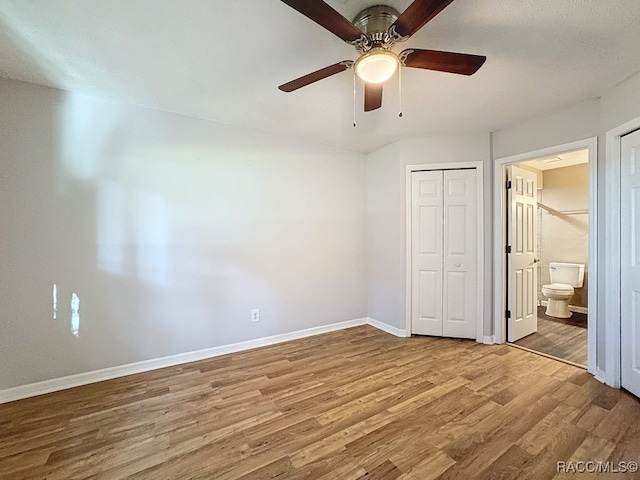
x=561, y=221
x=548, y=255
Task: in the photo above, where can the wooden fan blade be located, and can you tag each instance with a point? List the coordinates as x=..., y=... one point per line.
x=315, y=76
x=326, y=17
x=417, y=15
x=462, y=63
x=372, y=96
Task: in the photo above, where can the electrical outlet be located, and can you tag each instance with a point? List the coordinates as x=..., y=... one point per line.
x=255, y=315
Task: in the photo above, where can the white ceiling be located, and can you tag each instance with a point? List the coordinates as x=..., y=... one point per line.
x=562, y=160
x=223, y=60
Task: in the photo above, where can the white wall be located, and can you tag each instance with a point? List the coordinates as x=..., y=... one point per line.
x=621, y=104
x=563, y=126
x=386, y=216
x=385, y=236
x=169, y=229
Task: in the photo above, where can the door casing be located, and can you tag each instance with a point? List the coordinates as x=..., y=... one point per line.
x=480, y=337
x=499, y=239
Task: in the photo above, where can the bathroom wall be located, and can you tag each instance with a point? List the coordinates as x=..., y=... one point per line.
x=564, y=236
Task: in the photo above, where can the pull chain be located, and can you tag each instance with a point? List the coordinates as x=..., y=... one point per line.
x=400, y=89
x=354, y=97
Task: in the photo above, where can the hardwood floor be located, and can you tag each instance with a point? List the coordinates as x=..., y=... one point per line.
x=357, y=403
x=560, y=338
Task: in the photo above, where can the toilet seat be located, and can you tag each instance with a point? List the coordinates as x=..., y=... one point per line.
x=558, y=288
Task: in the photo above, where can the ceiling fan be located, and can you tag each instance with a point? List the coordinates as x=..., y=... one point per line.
x=373, y=33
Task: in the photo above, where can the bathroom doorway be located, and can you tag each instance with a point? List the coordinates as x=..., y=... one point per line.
x=549, y=278
x=562, y=256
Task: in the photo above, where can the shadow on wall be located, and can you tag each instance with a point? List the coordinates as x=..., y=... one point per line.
x=161, y=233
x=145, y=247
x=130, y=234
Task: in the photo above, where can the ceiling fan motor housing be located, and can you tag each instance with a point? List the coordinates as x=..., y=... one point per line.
x=375, y=22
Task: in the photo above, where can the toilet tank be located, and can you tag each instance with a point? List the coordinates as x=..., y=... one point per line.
x=569, y=273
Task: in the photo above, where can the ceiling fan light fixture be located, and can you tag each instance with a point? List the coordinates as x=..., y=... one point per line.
x=377, y=65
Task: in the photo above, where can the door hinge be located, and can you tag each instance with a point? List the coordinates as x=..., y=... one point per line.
x=507, y=249
x=507, y=184
x=507, y=313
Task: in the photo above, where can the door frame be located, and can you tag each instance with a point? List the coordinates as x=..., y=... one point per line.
x=480, y=230
x=500, y=232
x=613, y=270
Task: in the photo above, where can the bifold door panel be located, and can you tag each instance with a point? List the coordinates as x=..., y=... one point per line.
x=427, y=255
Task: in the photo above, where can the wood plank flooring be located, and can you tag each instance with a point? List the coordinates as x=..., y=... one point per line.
x=561, y=338
x=357, y=403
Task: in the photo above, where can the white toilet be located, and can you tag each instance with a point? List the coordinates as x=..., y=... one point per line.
x=564, y=278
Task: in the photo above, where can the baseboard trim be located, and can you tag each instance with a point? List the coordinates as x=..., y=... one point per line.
x=572, y=308
x=398, y=332
x=488, y=340
x=63, y=383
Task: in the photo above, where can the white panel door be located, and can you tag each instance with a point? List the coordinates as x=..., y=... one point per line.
x=460, y=252
x=426, y=254
x=522, y=237
x=630, y=261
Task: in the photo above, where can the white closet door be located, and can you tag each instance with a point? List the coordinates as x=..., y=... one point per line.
x=630, y=261
x=427, y=253
x=444, y=253
x=460, y=251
